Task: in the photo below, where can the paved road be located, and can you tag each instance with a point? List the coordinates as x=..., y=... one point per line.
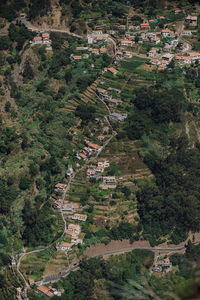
x=57, y=276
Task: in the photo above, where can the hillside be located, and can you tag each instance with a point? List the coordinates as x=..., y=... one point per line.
x=100, y=140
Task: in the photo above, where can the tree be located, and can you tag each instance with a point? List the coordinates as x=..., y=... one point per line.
x=28, y=73
x=7, y=106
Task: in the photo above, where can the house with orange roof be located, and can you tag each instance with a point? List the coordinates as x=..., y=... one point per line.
x=162, y=67
x=183, y=59
x=167, y=33
x=152, y=52
x=194, y=55
x=186, y=33
x=126, y=43
x=101, y=137
x=94, y=147
x=106, y=129
x=145, y=26
x=177, y=11
x=79, y=217
x=75, y=228
x=112, y=70
x=86, y=56
x=45, y=35
x=102, y=50
x=122, y=27
x=155, y=40
x=64, y=246
x=42, y=289
x=83, y=156
x=80, y=48
x=155, y=62
x=90, y=173
x=127, y=54
x=37, y=40
x=95, y=51
x=77, y=57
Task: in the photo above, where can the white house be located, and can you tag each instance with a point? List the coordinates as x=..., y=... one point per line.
x=109, y=180
x=74, y=228
x=63, y=246
x=152, y=53
x=186, y=33
x=79, y=217
x=75, y=240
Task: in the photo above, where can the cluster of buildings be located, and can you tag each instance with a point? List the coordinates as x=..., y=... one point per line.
x=163, y=265
x=41, y=39
x=96, y=171
x=60, y=187
x=66, y=206
x=107, y=96
x=189, y=58
x=73, y=232
x=81, y=55
x=88, y=150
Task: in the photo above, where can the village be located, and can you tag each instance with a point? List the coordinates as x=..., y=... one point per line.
x=157, y=43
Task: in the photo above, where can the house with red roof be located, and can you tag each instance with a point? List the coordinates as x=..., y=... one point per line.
x=42, y=289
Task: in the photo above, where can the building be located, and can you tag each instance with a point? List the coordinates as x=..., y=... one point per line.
x=167, y=32
x=95, y=51
x=126, y=43
x=86, y=56
x=152, y=53
x=145, y=26
x=42, y=289
x=74, y=228
x=81, y=48
x=69, y=172
x=104, y=164
x=115, y=102
x=186, y=33
x=64, y=246
x=194, y=55
x=155, y=40
x=70, y=207
x=37, y=40
x=79, y=217
x=122, y=27
x=192, y=20
x=118, y=116
x=57, y=205
x=177, y=11
x=127, y=54
x=76, y=57
x=101, y=137
x=102, y=93
x=60, y=187
x=94, y=147
x=45, y=36
x=183, y=59
x=109, y=180
x=167, y=57
x=112, y=70
x=75, y=240
x=97, y=32
x=102, y=50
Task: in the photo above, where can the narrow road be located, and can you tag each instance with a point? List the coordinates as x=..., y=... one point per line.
x=57, y=276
